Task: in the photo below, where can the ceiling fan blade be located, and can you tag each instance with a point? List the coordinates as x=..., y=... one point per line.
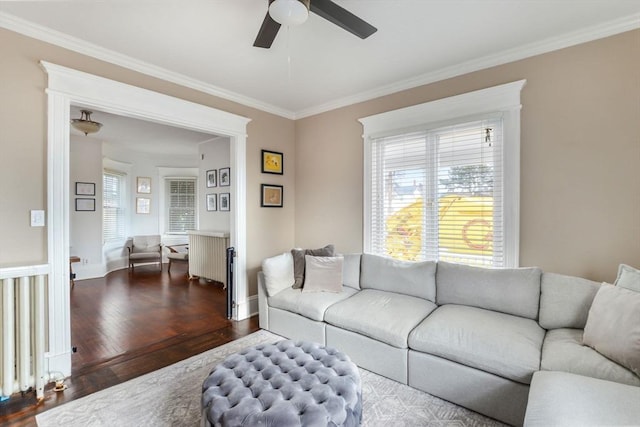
x=268, y=32
x=342, y=18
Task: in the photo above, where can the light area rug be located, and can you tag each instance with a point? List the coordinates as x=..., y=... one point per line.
x=171, y=397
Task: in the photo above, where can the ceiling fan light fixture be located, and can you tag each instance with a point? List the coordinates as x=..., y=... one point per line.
x=84, y=124
x=289, y=12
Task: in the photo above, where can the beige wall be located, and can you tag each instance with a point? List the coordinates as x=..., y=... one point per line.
x=23, y=158
x=580, y=158
x=580, y=189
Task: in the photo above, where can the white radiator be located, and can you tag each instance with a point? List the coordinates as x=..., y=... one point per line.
x=207, y=255
x=22, y=346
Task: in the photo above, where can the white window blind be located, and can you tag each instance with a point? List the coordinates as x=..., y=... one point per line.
x=437, y=194
x=112, y=206
x=181, y=204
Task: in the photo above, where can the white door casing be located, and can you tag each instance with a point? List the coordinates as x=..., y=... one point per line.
x=67, y=86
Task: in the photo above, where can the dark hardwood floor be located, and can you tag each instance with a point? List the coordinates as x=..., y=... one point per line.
x=128, y=324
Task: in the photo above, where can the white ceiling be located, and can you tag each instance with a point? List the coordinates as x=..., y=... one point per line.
x=207, y=44
x=142, y=136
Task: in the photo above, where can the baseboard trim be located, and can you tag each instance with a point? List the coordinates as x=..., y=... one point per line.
x=247, y=308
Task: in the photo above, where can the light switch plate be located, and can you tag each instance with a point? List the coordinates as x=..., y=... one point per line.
x=37, y=218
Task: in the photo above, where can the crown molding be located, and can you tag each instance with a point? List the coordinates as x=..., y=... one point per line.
x=39, y=32
x=532, y=49
x=57, y=38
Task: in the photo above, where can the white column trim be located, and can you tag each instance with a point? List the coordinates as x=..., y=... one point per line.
x=58, y=359
x=239, y=225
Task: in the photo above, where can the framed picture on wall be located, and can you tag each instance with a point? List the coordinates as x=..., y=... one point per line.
x=83, y=204
x=143, y=185
x=271, y=196
x=272, y=162
x=225, y=177
x=225, y=202
x=212, y=178
x=143, y=205
x=212, y=202
x=85, y=189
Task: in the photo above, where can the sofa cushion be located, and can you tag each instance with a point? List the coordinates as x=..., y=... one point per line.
x=498, y=343
x=563, y=351
x=308, y=304
x=513, y=291
x=138, y=256
x=613, y=326
x=278, y=273
x=180, y=256
x=562, y=399
x=404, y=277
x=149, y=243
x=565, y=301
x=351, y=270
x=299, y=262
x=383, y=316
x=628, y=277
x=323, y=273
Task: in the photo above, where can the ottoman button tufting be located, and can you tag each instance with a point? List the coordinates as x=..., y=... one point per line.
x=287, y=399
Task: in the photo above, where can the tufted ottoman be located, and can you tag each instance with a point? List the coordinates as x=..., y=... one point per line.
x=283, y=384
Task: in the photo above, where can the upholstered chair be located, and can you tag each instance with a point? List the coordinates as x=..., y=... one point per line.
x=145, y=249
x=178, y=253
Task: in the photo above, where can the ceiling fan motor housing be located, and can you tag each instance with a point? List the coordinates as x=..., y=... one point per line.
x=289, y=12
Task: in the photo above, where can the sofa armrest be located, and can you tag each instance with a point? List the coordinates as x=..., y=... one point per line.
x=263, y=302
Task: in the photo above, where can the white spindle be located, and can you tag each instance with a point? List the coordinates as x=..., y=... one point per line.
x=24, y=334
x=8, y=337
x=39, y=330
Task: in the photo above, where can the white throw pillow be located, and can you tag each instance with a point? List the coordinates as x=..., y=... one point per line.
x=613, y=326
x=628, y=277
x=278, y=273
x=323, y=274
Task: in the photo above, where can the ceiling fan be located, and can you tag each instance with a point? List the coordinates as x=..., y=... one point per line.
x=295, y=12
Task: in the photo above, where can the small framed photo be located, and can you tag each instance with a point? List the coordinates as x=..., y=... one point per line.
x=85, y=189
x=212, y=178
x=143, y=205
x=83, y=204
x=225, y=202
x=225, y=177
x=271, y=196
x=212, y=202
x=143, y=185
x=272, y=162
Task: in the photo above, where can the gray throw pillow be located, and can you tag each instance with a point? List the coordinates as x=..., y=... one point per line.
x=628, y=277
x=612, y=328
x=298, y=261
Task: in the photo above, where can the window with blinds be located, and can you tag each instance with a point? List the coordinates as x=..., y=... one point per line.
x=112, y=206
x=436, y=194
x=181, y=205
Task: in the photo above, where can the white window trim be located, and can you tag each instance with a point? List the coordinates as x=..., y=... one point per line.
x=176, y=173
x=503, y=98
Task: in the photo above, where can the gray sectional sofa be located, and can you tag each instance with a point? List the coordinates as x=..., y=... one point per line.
x=476, y=337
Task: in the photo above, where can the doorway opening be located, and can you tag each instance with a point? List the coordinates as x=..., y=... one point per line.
x=66, y=87
x=117, y=312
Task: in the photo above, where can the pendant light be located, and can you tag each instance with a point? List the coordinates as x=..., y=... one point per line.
x=84, y=124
